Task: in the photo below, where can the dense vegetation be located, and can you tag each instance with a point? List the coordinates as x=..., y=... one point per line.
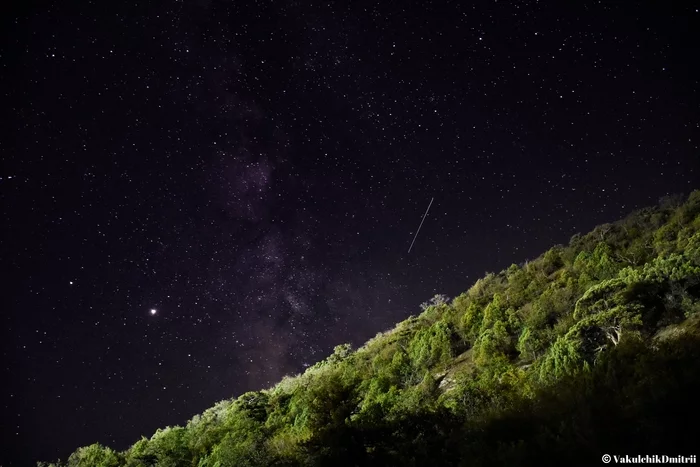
x=592, y=348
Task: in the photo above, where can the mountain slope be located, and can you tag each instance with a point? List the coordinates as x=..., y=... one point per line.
x=592, y=348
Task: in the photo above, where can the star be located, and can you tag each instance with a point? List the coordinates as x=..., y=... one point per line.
x=153, y=311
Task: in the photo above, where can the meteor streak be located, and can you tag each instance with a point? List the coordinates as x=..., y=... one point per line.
x=421, y=224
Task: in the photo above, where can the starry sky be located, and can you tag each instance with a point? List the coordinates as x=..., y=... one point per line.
x=255, y=173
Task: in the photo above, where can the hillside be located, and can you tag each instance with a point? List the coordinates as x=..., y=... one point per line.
x=591, y=348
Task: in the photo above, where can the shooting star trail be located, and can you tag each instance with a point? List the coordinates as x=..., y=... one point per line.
x=421, y=224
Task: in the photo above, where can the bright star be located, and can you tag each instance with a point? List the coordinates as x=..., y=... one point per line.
x=153, y=311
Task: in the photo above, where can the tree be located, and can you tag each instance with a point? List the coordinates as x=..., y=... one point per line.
x=437, y=301
x=471, y=322
x=552, y=260
x=170, y=447
x=562, y=359
x=532, y=343
x=431, y=346
x=340, y=353
x=493, y=342
x=599, y=297
x=253, y=404
x=94, y=455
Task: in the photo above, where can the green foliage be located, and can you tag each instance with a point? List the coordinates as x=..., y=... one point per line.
x=431, y=346
x=552, y=260
x=169, y=447
x=563, y=359
x=94, y=455
x=471, y=321
x=532, y=343
x=493, y=342
x=592, y=347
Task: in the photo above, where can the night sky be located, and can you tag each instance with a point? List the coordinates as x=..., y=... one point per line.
x=255, y=173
